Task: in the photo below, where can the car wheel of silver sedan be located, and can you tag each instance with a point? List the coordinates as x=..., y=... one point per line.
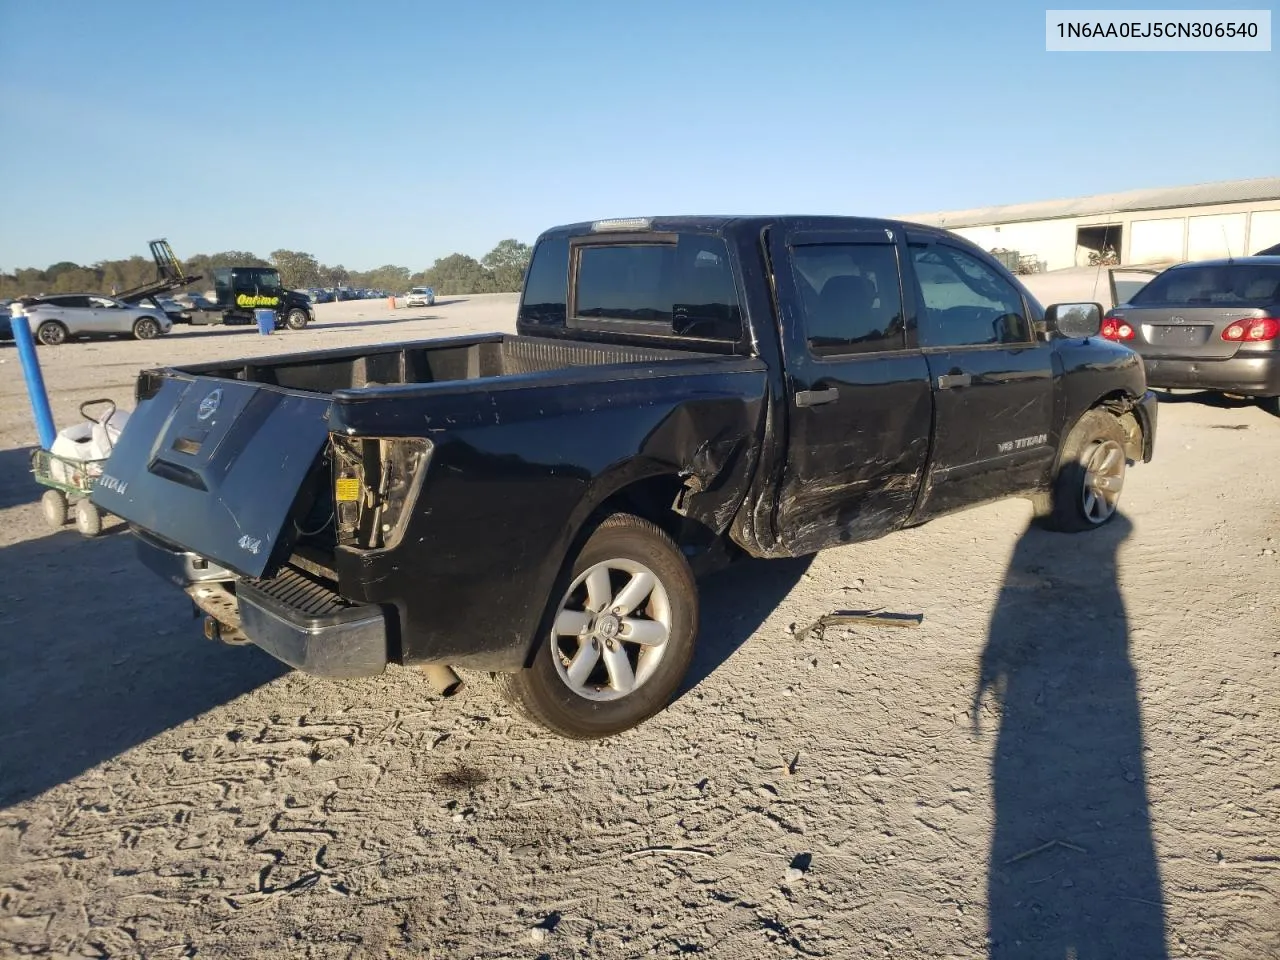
x=146, y=328
x=51, y=333
x=619, y=637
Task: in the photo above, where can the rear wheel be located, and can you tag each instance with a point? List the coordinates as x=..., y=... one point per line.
x=88, y=519
x=296, y=319
x=146, y=328
x=51, y=333
x=1086, y=491
x=54, y=505
x=620, y=637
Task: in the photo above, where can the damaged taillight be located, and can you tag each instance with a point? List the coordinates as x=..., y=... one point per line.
x=375, y=483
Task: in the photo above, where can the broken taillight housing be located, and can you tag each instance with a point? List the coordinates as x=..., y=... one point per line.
x=1252, y=330
x=375, y=483
x=1116, y=328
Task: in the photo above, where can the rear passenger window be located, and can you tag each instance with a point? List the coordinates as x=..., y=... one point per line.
x=966, y=302
x=683, y=289
x=547, y=284
x=852, y=297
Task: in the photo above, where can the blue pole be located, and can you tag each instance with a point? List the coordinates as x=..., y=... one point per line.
x=31, y=371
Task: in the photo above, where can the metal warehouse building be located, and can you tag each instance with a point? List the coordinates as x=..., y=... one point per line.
x=1231, y=218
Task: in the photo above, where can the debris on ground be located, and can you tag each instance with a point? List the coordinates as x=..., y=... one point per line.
x=875, y=617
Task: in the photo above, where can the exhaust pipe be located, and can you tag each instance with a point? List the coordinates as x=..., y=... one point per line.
x=442, y=677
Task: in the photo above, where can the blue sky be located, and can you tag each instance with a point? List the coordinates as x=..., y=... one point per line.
x=399, y=132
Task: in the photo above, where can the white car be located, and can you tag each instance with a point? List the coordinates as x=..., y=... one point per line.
x=54, y=319
x=420, y=297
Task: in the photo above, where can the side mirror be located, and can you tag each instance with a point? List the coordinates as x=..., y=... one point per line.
x=1073, y=320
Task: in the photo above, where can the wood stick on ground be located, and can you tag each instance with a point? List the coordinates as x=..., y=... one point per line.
x=1047, y=845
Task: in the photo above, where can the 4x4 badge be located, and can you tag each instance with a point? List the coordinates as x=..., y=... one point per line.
x=209, y=405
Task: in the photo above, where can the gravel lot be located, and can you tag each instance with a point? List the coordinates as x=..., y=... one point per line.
x=1075, y=755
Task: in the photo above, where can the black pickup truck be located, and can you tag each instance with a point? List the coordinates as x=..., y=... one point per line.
x=680, y=391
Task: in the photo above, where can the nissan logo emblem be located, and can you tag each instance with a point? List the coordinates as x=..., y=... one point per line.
x=209, y=405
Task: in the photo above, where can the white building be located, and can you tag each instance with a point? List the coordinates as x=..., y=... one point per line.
x=1230, y=218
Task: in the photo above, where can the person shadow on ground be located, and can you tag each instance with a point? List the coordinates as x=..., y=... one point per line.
x=1073, y=872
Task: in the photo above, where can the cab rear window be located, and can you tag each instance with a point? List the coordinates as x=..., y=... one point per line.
x=681, y=286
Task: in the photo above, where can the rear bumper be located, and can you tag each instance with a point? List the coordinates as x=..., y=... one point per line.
x=293, y=617
x=311, y=628
x=1252, y=375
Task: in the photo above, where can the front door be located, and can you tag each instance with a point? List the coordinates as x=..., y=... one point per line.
x=858, y=388
x=993, y=380
x=104, y=316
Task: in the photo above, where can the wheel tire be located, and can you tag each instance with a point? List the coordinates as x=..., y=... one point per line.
x=88, y=519
x=146, y=328
x=51, y=333
x=1270, y=404
x=1088, y=458
x=540, y=691
x=296, y=319
x=54, y=505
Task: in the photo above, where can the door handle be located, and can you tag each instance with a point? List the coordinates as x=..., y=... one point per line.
x=815, y=398
x=948, y=381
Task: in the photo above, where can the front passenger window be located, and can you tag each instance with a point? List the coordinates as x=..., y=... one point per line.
x=966, y=303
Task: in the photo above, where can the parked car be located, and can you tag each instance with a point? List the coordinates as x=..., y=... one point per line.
x=55, y=319
x=171, y=307
x=1212, y=325
x=194, y=301
x=420, y=297
x=537, y=504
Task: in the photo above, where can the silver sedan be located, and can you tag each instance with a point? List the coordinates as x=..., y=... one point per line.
x=54, y=319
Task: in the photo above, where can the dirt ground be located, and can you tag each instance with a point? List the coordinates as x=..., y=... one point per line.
x=1115, y=793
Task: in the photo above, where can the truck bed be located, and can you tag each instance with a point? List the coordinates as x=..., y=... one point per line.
x=432, y=361
x=230, y=460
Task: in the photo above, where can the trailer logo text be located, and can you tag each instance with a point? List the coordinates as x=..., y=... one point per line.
x=245, y=300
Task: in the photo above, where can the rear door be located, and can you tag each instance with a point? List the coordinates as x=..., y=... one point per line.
x=993, y=381
x=858, y=387
x=71, y=311
x=216, y=467
x=1183, y=313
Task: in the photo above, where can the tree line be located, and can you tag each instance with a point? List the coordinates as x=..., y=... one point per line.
x=501, y=270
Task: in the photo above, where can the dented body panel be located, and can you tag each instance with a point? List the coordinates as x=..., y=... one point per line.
x=440, y=489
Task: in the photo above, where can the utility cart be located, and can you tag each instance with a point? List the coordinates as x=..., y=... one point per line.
x=70, y=479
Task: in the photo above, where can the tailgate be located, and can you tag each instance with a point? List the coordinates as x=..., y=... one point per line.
x=215, y=466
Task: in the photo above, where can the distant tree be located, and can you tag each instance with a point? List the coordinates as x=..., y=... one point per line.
x=501, y=269
x=458, y=273
x=506, y=263
x=297, y=269
x=388, y=277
